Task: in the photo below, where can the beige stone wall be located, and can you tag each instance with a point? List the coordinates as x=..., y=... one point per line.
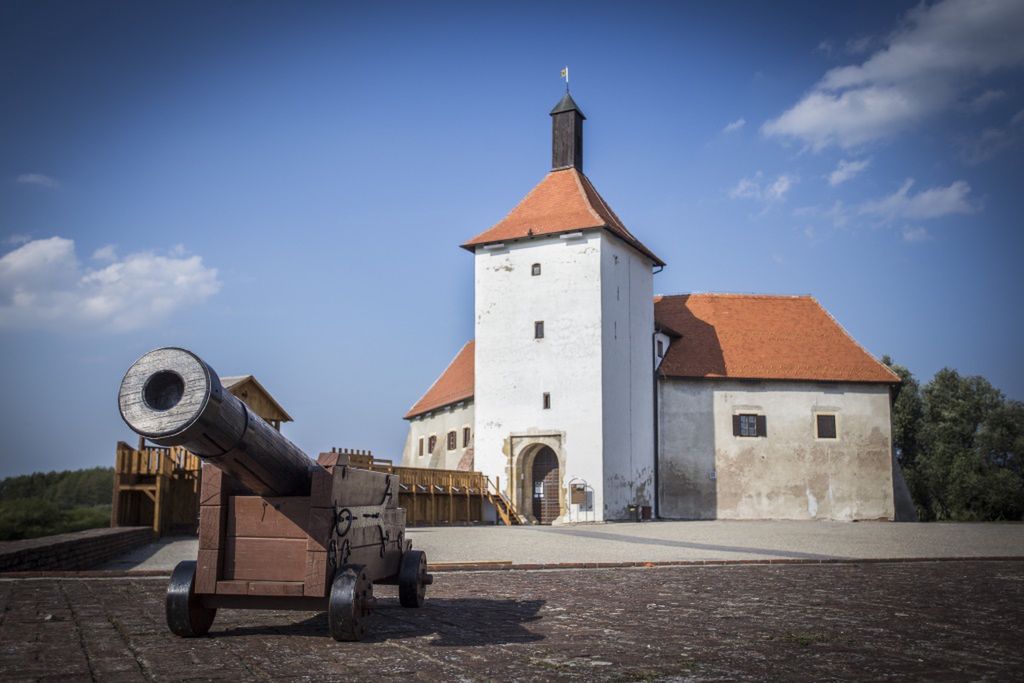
x=707, y=473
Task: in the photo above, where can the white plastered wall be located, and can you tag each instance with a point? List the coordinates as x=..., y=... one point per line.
x=438, y=423
x=514, y=370
x=706, y=472
x=627, y=377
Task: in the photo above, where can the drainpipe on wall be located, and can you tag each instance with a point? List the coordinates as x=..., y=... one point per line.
x=657, y=455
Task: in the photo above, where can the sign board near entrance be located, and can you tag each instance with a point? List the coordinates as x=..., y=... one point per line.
x=578, y=494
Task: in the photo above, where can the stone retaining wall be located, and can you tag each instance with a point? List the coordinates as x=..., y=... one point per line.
x=79, y=550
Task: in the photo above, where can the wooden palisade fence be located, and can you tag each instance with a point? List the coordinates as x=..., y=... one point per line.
x=159, y=487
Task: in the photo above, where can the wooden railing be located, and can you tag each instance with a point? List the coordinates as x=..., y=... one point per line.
x=155, y=486
x=154, y=460
x=452, y=484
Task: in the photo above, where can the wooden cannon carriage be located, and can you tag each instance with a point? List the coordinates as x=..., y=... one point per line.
x=276, y=530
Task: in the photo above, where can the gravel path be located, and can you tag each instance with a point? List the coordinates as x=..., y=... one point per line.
x=674, y=541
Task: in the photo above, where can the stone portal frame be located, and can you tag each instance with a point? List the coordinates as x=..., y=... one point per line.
x=523, y=448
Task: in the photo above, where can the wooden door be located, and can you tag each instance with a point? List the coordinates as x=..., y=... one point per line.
x=545, y=486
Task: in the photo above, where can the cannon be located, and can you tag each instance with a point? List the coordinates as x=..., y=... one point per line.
x=276, y=529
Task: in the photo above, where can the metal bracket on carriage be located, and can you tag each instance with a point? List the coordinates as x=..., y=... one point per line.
x=349, y=518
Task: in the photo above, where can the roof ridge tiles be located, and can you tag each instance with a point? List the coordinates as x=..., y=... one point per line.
x=854, y=340
x=579, y=178
x=736, y=295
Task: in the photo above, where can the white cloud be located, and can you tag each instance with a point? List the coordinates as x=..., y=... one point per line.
x=747, y=188
x=17, y=238
x=923, y=68
x=778, y=189
x=985, y=100
x=915, y=234
x=756, y=188
x=847, y=170
x=42, y=284
x=37, y=179
x=934, y=202
x=734, y=125
x=837, y=214
x=106, y=253
x=994, y=140
x=847, y=119
x=860, y=45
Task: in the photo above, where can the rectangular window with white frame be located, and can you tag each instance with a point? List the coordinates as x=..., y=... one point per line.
x=749, y=425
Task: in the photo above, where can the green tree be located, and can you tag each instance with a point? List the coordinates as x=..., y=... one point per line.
x=907, y=414
x=960, y=444
x=47, y=503
x=969, y=447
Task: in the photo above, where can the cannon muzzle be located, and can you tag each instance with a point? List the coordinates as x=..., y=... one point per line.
x=173, y=398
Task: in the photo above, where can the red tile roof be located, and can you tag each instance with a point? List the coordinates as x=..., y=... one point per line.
x=564, y=201
x=725, y=336
x=748, y=336
x=455, y=384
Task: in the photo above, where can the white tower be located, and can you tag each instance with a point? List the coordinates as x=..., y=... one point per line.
x=564, y=380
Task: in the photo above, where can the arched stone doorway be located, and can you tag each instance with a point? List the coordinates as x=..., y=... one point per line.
x=523, y=449
x=546, y=483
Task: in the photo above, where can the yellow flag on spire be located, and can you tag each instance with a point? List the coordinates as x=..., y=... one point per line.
x=565, y=74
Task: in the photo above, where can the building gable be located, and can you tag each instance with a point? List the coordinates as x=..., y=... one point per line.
x=253, y=394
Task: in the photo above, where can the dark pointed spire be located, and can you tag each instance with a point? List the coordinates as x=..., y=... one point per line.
x=567, y=134
x=567, y=103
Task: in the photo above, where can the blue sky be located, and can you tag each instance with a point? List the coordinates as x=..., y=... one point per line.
x=283, y=187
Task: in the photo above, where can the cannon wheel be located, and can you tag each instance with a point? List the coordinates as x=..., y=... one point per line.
x=186, y=616
x=413, y=578
x=350, y=602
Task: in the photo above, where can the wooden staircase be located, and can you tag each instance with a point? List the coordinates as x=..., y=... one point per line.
x=507, y=512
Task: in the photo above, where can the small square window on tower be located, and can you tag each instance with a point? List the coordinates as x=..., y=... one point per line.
x=421, y=445
x=465, y=437
x=538, y=329
x=431, y=443
x=547, y=401
x=535, y=269
x=661, y=349
x=453, y=440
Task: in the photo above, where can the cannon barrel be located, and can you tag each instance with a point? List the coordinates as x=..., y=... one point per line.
x=174, y=398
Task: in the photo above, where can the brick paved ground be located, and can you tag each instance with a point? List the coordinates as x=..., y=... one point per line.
x=942, y=620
